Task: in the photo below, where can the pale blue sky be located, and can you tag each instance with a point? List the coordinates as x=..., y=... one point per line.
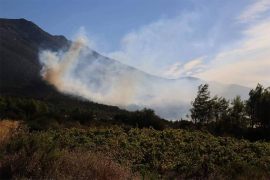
x=106, y=19
x=111, y=20
x=201, y=38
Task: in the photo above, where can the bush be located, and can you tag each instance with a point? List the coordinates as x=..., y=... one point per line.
x=8, y=128
x=58, y=164
x=167, y=154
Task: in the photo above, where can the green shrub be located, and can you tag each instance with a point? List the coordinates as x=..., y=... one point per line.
x=167, y=154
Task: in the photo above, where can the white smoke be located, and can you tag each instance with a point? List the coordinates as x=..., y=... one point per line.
x=82, y=72
x=70, y=73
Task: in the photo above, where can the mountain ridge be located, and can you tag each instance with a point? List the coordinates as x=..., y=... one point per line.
x=64, y=40
x=21, y=42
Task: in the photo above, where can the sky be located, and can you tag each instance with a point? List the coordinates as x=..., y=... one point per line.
x=224, y=41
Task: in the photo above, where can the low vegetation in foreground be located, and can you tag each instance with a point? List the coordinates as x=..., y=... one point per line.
x=130, y=153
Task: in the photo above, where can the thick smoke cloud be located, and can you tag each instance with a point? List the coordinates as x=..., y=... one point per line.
x=56, y=67
x=82, y=72
x=78, y=72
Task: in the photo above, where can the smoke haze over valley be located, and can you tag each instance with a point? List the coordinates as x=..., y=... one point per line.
x=82, y=72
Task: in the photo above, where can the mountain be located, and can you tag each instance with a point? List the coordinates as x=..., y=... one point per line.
x=20, y=41
x=93, y=77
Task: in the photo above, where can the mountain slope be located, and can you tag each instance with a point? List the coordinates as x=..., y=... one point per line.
x=101, y=79
x=20, y=44
x=20, y=41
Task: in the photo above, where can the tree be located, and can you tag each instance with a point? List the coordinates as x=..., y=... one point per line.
x=263, y=112
x=200, y=110
x=220, y=107
x=146, y=118
x=252, y=104
x=237, y=112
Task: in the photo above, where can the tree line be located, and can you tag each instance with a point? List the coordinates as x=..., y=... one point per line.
x=43, y=115
x=250, y=118
x=236, y=118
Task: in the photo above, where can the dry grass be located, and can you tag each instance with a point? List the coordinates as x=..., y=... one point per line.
x=92, y=166
x=56, y=163
x=7, y=128
x=71, y=165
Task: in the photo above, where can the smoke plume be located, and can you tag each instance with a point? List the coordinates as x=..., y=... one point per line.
x=79, y=72
x=82, y=72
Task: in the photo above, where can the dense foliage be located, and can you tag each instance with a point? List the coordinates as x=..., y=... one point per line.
x=167, y=154
x=42, y=115
x=249, y=119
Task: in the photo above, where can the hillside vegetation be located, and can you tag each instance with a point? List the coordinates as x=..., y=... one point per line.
x=240, y=119
x=131, y=153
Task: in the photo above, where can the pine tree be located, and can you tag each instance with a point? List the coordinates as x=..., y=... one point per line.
x=200, y=110
x=252, y=104
x=220, y=107
x=237, y=112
